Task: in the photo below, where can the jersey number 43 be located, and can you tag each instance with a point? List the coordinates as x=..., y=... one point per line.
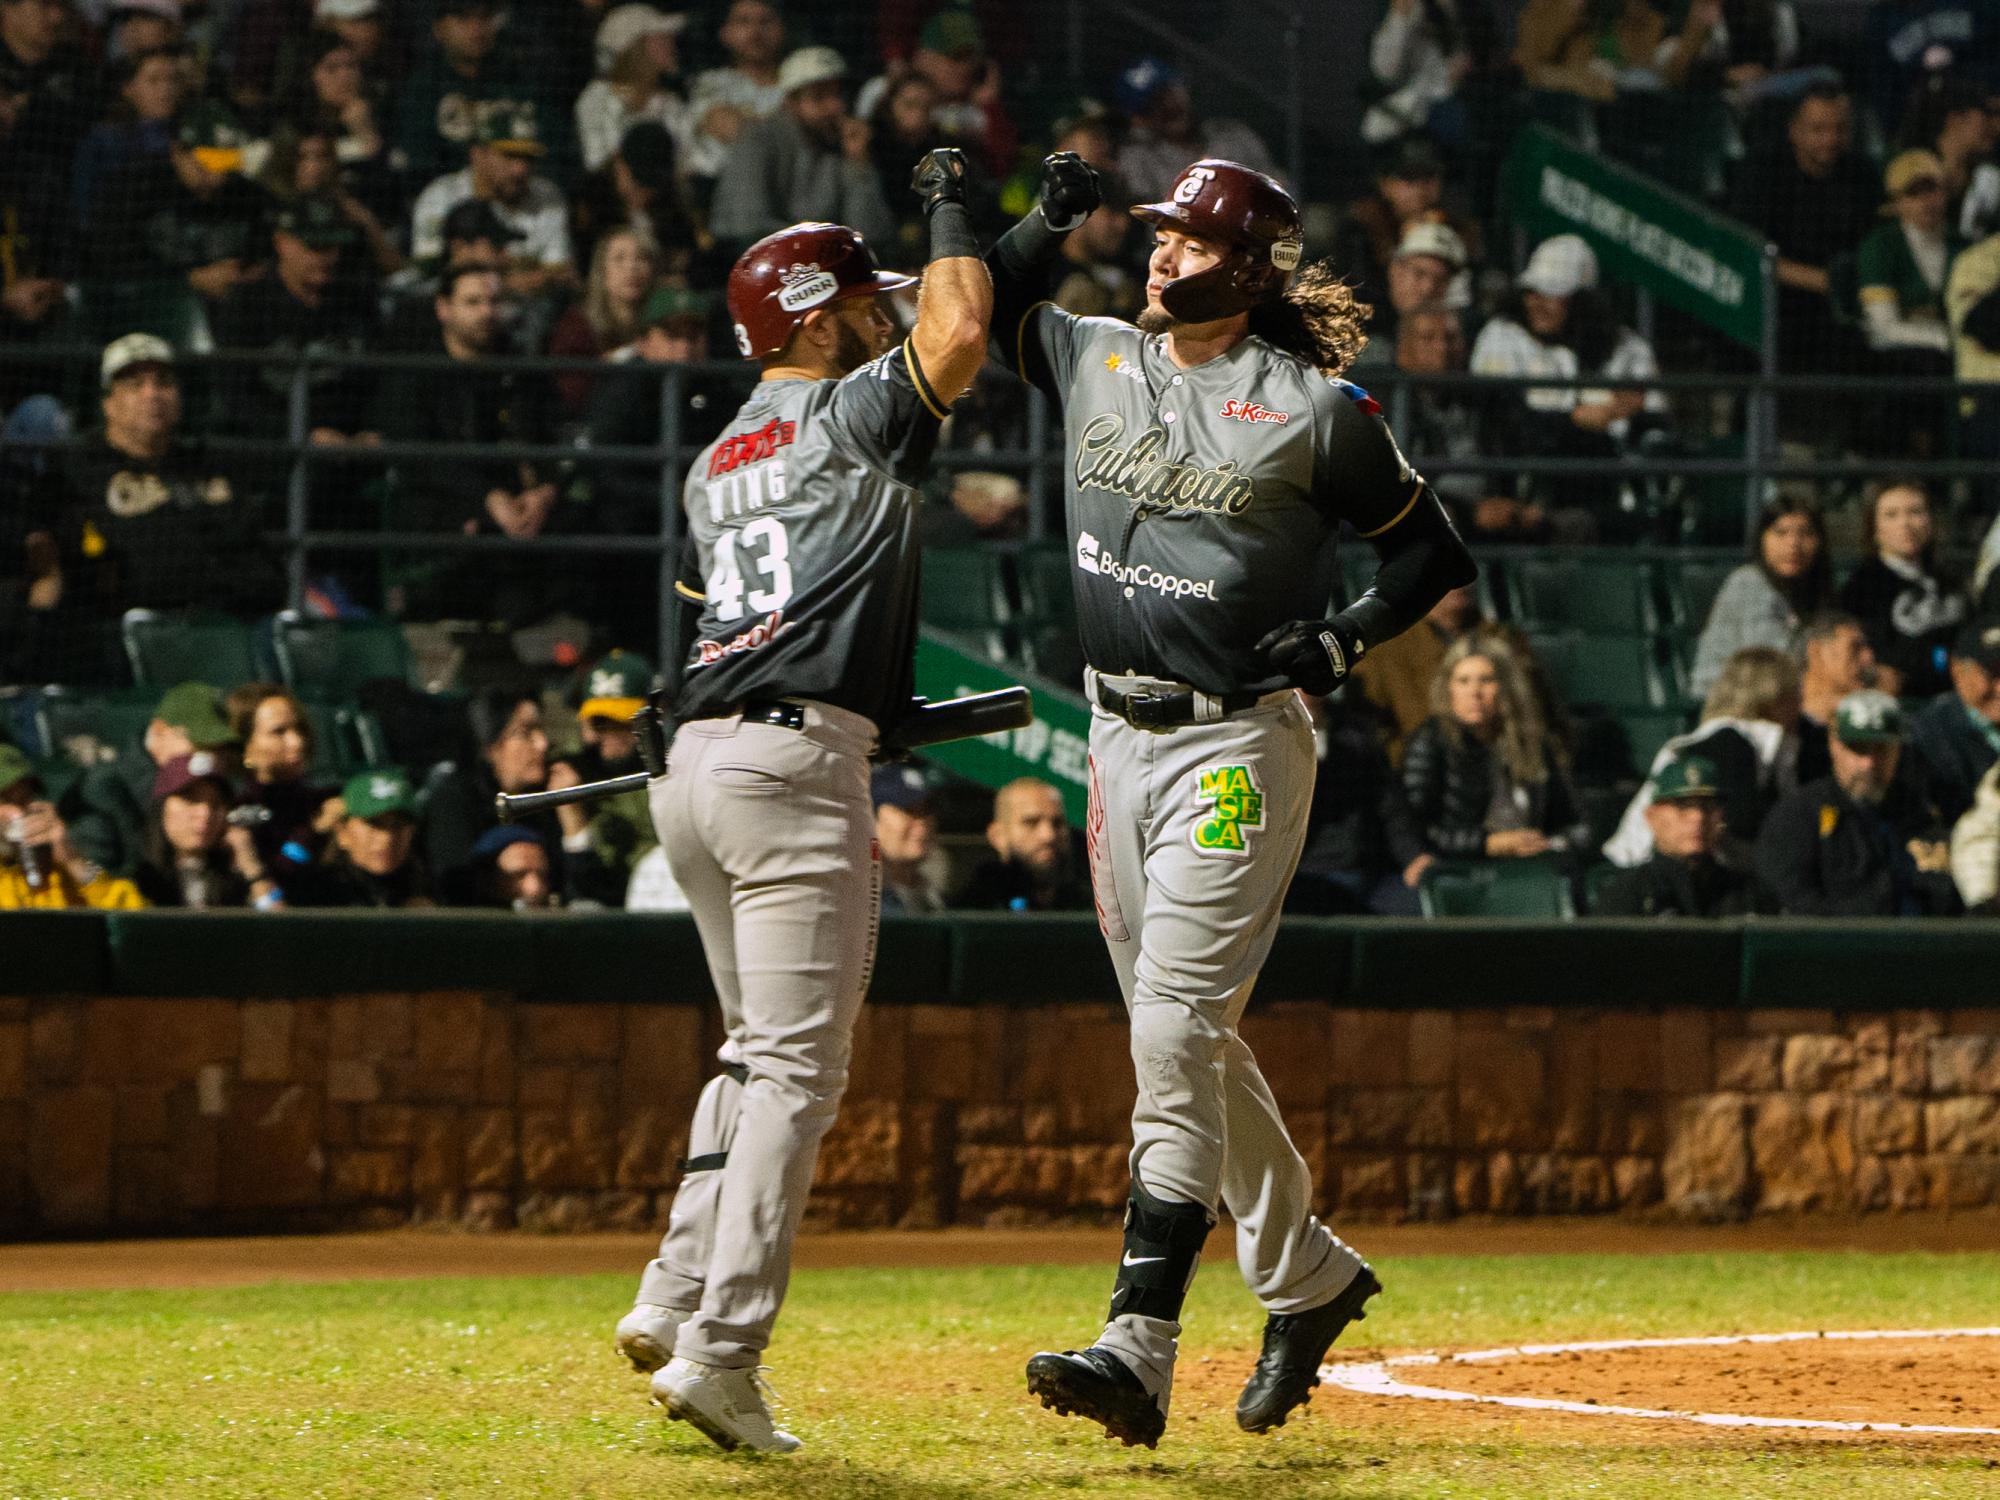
x=764, y=545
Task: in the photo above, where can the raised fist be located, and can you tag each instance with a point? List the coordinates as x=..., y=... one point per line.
x=940, y=177
x=1070, y=189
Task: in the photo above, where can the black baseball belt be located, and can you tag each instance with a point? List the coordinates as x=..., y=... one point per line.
x=765, y=711
x=1170, y=705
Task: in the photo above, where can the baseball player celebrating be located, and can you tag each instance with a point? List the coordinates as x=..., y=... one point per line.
x=1213, y=454
x=802, y=525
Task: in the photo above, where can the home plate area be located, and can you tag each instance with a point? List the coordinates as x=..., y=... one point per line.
x=1943, y=1380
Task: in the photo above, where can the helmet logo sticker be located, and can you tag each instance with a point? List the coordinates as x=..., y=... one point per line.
x=1286, y=254
x=1193, y=180
x=805, y=286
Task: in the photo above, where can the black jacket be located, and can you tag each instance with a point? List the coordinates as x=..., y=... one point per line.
x=1667, y=887
x=1448, y=779
x=337, y=883
x=1909, y=622
x=1952, y=751
x=1822, y=854
x=1360, y=822
x=1008, y=885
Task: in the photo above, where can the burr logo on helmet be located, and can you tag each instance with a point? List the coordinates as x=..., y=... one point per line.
x=805, y=286
x=1286, y=254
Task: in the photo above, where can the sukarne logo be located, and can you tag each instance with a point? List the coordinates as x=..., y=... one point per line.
x=1250, y=411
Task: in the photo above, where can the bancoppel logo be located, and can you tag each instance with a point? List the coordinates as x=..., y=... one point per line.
x=1250, y=411
x=1091, y=558
x=805, y=286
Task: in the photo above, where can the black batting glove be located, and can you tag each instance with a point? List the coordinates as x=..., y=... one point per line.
x=1070, y=189
x=940, y=178
x=1312, y=655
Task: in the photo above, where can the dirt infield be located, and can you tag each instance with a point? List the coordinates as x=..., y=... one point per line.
x=106, y=1265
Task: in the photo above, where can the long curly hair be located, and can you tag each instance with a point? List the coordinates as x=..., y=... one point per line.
x=1318, y=318
x=1522, y=740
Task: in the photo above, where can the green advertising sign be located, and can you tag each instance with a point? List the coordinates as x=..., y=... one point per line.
x=1708, y=266
x=1055, y=747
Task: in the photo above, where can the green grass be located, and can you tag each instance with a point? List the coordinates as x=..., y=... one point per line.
x=904, y=1384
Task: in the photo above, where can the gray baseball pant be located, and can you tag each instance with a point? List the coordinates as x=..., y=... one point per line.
x=771, y=833
x=1194, y=834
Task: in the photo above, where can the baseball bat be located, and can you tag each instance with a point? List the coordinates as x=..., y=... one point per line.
x=925, y=724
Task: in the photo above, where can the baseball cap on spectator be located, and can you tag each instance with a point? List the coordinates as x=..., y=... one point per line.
x=616, y=687
x=504, y=836
x=1440, y=240
x=647, y=149
x=183, y=771
x=1908, y=170
x=512, y=130
x=808, y=66
x=1416, y=160
x=346, y=10
x=316, y=222
x=215, y=137
x=677, y=306
x=375, y=794
x=1561, y=266
x=1869, y=717
x=1143, y=82
x=195, y=709
x=901, y=787
x=628, y=24
x=15, y=768
x=475, y=219
x=1979, y=643
x=952, y=33
x=134, y=349
x=1685, y=778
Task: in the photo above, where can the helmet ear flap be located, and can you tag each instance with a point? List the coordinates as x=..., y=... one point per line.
x=1222, y=291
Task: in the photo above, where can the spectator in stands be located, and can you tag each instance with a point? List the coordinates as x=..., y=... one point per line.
x=511, y=870
x=1975, y=847
x=1096, y=278
x=373, y=862
x=638, y=63
x=1955, y=738
x=1408, y=191
x=1167, y=134
x=728, y=100
x=1900, y=270
x=951, y=56
x=317, y=301
x=358, y=23
x=808, y=161
x=105, y=807
x=1685, y=876
x=1422, y=50
x=1972, y=302
x=906, y=836
x=1364, y=852
x=39, y=865
x=1737, y=47
x=340, y=105
x=287, y=825
x=306, y=165
x=1950, y=118
x=1909, y=42
x=457, y=494
x=1908, y=613
x=474, y=236
x=641, y=190
x=1767, y=601
x=37, y=265
x=1035, y=865
x=1559, y=326
x=902, y=126
x=135, y=26
x=501, y=174
x=1748, y=737
x=1815, y=200
x=1427, y=261
x=197, y=858
x=617, y=831
x=143, y=517
x=1484, y=777
x=36, y=67
x=1588, y=49
x=611, y=314
x=1395, y=678
x=454, y=87
x=1838, y=661
x=1430, y=340
x=1863, y=841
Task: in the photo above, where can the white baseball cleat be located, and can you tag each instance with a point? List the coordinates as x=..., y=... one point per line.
x=646, y=1335
x=726, y=1406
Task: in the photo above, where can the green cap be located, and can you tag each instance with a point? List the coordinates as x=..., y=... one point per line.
x=14, y=766
x=373, y=793
x=511, y=128
x=616, y=687
x=1686, y=776
x=671, y=302
x=195, y=709
x=1868, y=717
x=212, y=132
x=315, y=221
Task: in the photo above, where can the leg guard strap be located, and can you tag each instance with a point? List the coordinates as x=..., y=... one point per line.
x=1162, y=1248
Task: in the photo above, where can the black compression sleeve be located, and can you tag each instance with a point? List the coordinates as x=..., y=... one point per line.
x=951, y=232
x=1422, y=561
x=1019, y=263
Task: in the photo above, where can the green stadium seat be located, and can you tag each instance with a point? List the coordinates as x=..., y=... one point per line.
x=1529, y=889
x=93, y=728
x=1691, y=586
x=332, y=658
x=1646, y=732
x=1602, y=593
x=164, y=649
x=1613, y=671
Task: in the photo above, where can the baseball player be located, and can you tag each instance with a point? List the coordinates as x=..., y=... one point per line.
x=802, y=525
x=1213, y=454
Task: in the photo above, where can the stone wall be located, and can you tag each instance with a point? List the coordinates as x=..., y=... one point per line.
x=122, y=1115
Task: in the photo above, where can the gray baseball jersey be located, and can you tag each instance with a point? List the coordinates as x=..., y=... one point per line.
x=802, y=543
x=1204, y=504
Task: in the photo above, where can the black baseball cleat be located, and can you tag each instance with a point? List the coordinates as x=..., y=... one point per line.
x=1295, y=1346
x=1097, y=1384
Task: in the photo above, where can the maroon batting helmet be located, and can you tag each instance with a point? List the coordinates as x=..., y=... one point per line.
x=1239, y=208
x=784, y=276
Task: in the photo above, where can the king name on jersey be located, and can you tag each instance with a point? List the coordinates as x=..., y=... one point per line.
x=741, y=476
x=1140, y=472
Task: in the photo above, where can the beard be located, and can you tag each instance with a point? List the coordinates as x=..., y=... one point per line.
x=1156, y=320
x=850, y=350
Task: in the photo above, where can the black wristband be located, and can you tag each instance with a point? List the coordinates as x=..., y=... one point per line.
x=951, y=232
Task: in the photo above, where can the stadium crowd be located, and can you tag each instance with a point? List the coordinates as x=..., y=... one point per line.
x=204, y=194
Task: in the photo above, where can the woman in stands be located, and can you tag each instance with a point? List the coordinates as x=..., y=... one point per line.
x=288, y=827
x=1768, y=600
x=1908, y=611
x=1483, y=774
x=623, y=272
x=195, y=858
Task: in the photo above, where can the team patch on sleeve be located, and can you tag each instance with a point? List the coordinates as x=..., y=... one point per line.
x=1358, y=396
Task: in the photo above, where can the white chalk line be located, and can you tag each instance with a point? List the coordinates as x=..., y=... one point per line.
x=1374, y=1378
